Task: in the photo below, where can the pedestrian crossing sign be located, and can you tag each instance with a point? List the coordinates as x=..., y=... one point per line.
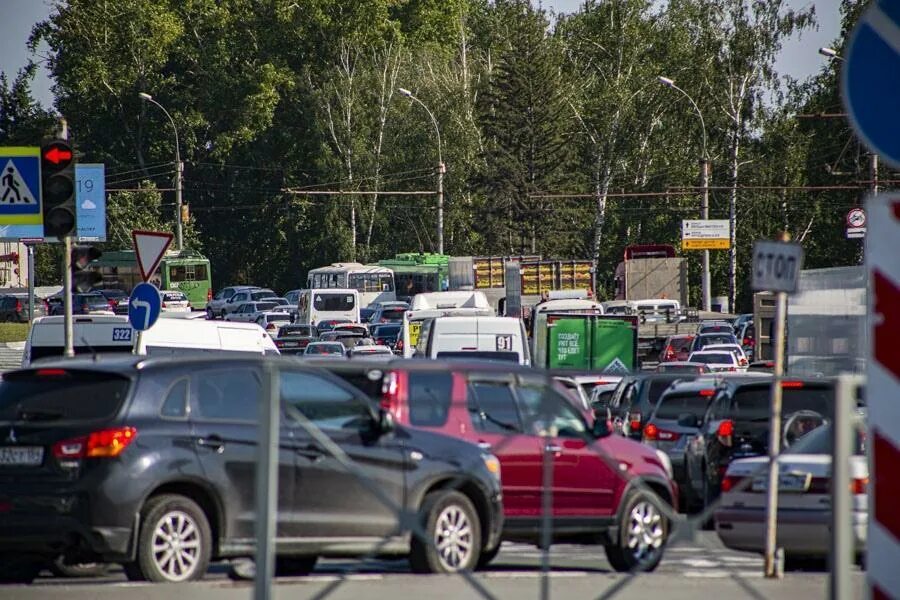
x=20, y=185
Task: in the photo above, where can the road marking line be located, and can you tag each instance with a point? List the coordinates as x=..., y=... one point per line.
x=535, y=574
x=719, y=574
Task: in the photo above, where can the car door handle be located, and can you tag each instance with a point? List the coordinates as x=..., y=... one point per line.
x=484, y=445
x=555, y=448
x=213, y=442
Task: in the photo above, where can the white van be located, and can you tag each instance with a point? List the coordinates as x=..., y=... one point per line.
x=440, y=304
x=497, y=338
x=321, y=304
x=539, y=322
x=106, y=334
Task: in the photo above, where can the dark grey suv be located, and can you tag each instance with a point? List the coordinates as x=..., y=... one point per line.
x=151, y=463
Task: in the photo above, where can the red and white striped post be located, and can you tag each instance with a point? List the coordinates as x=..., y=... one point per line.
x=883, y=396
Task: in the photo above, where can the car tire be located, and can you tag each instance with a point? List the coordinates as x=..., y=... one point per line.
x=452, y=531
x=179, y=522
x=59, y=568
x=210, y=316
x=487, y=556
x=15, y=568
x=643, y=531
x=294, y=566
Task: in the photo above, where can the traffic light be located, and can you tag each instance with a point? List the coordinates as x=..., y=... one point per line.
x=83, y=279
x=58, y=188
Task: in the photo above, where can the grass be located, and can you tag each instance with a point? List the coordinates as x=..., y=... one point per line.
x=13, y=332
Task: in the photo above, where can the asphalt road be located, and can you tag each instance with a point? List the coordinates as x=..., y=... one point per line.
x=697, y=570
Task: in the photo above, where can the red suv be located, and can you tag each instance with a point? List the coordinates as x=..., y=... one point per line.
x=606, y=489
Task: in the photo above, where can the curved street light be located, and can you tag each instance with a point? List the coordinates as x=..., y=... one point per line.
x=705, y=283
x=440, y=169
x=179, y=169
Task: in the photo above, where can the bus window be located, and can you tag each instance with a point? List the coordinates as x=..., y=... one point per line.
x=371, y=282
x=180, y=273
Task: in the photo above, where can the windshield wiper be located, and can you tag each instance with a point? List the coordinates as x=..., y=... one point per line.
x=38, y=415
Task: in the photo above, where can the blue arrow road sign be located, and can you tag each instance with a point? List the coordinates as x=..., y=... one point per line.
x=20, y=185
x=143, y=306
x=870, y=79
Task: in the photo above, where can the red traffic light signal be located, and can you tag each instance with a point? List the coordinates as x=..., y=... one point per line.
x=58, y=154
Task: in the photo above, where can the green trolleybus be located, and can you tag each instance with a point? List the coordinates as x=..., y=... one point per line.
x=187, y=271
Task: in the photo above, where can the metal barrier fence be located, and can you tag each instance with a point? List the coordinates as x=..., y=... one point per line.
x=678, y=527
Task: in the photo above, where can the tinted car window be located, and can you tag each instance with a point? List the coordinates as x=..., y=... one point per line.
x=716, y=338
x=325, y=404
x=230, y=395
x=386, y=331
x=48, y=394
x=429, y=398
x=493, y=408
x=753, y=404
x=672, y=406
x=300, y=330
x=393, y=314
x=261, y=295
x=325, y=349
x=333, y=302
x=713, y=358
x=176, y=401
x=546, y=412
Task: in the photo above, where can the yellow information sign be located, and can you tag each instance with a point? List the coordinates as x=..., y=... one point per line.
x=709, y=244
x=414, y=327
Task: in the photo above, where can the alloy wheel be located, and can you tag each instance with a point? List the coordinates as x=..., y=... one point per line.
x=176, y=545
x=453, y=538
x=646, y=532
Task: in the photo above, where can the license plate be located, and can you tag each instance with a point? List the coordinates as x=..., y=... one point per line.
x=290, y=344
x=787, y=482
x=25, y=456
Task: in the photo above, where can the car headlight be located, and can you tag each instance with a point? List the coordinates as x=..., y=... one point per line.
x=492, y=464
x=666, y=463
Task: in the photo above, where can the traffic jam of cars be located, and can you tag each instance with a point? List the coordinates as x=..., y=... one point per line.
x=141, y=450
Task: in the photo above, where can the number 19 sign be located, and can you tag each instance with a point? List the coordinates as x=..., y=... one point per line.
x=776, y=266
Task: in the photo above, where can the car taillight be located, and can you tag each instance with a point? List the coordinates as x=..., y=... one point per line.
x=390, y=391
x=279, y=344
x=729, y=482
x=731, y=369
x=18, y=306
x=859, y=486
x=726, y=428
x=791, y=384
x=106, y=443
x=707, y=393
x=743, y=362
x=111, y=302
x=270, y=327
x=634, y=421
x=162, y=305
x=650, y=432
x=209, y=295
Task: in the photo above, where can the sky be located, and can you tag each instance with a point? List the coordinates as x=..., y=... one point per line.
x=799, y=57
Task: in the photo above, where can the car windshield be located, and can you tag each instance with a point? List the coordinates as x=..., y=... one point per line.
x=753, y=403
x=713, y=358
x=673, y=405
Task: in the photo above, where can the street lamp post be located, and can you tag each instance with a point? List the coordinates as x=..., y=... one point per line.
x=704, y=198
x=179, y=170
x=831, y=53
x=441, y=169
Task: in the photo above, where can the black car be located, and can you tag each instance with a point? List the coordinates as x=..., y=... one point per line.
x=293, y=339
x=736, y=425
x=635, y=397
x=151, y=463
x=83, y=304
x=386, y=334
x=14, y=308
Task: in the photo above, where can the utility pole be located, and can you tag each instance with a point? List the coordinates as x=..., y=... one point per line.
x=704, y=214
x=441, y=169
x=68, y=330
x=179, y=175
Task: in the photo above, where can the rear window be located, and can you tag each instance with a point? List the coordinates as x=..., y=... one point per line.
x=429, y=398
x=39, y=352
x=753, y=403
x=304, y=330
x=282, y=318
x=61, y=395
x=333, y=302
x=325, y=349
x=261, y=295
x=657, y=387
x=393, y=314
x=717, y=358
x=263, y=306
x=481, y=355
x=174, y=296
x=670, y=368
x=672, y=406
x=386, y=331
x=717, y=338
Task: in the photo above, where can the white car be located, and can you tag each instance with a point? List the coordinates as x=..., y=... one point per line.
x=370, y=350
x=248, y=311
x=804, y=499
x=585, y=387
x=738, y=352
x=272, y=321
x=174, y=301
x=718, y=361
